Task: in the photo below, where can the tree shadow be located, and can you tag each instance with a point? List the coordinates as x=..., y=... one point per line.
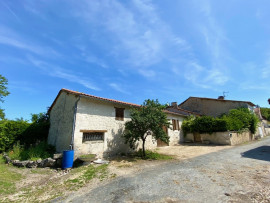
x=260, y=153
x=116, y=148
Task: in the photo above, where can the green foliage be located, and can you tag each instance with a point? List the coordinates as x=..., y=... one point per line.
x=10, y=132
x=266, y=113
x=236, y=120
x=39, y=151
x=3, y=93
x=21, y=130
x=149, y=119
x=37, y=131
x=150, y=155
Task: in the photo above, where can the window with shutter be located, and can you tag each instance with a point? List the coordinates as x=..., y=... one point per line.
x=119, y=113
x=174, y=124
x=177, y=123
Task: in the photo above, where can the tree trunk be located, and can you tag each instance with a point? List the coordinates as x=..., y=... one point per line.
x=143, y=148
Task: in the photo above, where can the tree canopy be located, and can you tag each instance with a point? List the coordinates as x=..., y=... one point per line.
x=3, y=93
x=149, y=119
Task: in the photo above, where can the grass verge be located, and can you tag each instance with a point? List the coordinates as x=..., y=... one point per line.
x=8, y=178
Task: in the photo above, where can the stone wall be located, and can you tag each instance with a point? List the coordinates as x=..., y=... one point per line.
x=61, y=121
x=100, y=115
x=267, y=131
x=223, y=138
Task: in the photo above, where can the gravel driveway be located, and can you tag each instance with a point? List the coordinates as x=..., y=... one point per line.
x=238, y=174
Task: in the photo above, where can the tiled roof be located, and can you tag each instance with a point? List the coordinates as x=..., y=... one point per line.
x=179, y=111
x=91, y=96
x=170, y=109
x=221, y=100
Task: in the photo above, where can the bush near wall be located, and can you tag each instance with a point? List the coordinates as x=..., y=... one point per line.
x=266, y=113
x=236, y=120
x=12, y=131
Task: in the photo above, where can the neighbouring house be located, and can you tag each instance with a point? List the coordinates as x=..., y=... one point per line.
x=91, y=124
x=213, y=107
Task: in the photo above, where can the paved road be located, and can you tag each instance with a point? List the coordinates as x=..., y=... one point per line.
x=237, y=174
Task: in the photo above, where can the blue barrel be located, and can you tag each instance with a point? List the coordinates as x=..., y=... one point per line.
x=67, y=160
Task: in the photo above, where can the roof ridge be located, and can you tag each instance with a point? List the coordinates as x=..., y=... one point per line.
x=97, y=97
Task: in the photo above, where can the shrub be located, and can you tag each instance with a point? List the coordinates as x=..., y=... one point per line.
x=39, y=151
x=266, y=113
x=10, y=132
x=37, y=131
x=236, y=120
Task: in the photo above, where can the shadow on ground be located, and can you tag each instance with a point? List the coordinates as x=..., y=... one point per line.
x=260, y=153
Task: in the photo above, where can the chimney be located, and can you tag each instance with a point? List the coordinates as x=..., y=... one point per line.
x=221, y=97
x=174, y=104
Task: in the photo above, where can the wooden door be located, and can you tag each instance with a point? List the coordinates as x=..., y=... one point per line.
x=197, y=137
x=161, y=143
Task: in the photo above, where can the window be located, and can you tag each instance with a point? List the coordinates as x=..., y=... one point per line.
x=93, y=136
x=175, y=124
x=119, y=114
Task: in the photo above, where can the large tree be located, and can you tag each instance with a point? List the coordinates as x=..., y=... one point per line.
x=3, y=93
x=146, y=120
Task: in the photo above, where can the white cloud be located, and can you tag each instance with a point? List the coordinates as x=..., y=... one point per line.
x=11, y=38
x=139, y=37
x=118, y=88
x=55, y=71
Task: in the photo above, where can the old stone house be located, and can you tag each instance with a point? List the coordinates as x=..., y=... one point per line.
x=92, y=124
x=213, y=107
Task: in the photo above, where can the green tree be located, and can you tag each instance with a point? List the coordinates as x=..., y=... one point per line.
x=149, y=119
x=3, y=93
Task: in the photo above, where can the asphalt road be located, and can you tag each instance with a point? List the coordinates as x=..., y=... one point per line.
x=238, y=174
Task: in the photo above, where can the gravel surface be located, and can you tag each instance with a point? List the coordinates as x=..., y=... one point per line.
x=238, y=174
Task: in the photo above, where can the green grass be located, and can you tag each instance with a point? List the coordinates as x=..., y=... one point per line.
x=8, y=178
x=88, y=173
x=90, y=156
x=152, y=155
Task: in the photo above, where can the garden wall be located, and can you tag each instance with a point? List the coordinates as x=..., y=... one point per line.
x=223, y=138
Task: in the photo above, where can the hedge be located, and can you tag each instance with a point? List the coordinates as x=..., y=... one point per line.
x=13, y=131
x=236, y=120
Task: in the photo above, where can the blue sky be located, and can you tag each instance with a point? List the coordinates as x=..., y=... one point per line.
x=133, y=50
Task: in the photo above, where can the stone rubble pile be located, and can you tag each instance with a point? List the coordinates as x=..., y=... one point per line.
x=48, y=162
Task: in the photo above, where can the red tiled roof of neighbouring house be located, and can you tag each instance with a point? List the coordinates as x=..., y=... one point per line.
x=221, y=100
x=179, y=111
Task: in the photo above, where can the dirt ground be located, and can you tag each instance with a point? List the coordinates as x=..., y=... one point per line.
x=45, y=184
x=122, y=166
x=236, y=174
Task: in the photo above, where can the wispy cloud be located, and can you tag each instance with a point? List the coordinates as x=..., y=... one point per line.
x=56, y=71
x=11, y=38
x=139, y=37
x=118, y=88
x=10, y=10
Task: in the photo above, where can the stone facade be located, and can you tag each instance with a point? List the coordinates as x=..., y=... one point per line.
x=212, y=107
x=100, y=116
x=61, y=122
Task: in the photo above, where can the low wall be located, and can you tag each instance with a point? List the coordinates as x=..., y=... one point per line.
x=267, y=131
x=223, y=138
